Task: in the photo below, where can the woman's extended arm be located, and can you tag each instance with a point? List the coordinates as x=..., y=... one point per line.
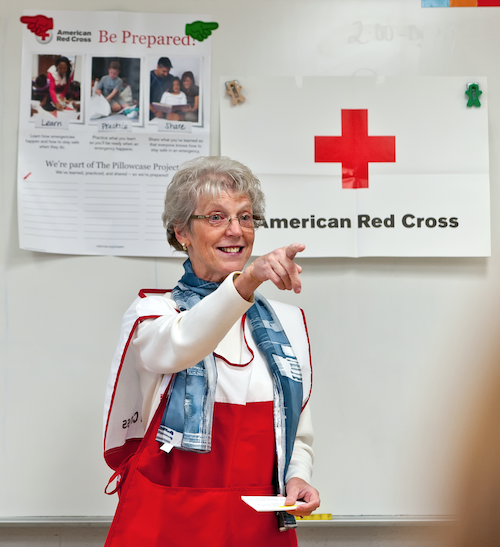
x=176, y=341
x=193, y=107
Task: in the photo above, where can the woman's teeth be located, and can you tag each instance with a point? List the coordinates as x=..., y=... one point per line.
x=230, y=249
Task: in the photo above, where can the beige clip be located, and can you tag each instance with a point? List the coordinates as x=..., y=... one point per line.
x=233, y=89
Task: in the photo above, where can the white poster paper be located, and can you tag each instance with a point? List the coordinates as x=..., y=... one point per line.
x=102, y=131
x=366, y=166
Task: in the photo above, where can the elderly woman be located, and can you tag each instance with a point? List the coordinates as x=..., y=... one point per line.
x=207, y=399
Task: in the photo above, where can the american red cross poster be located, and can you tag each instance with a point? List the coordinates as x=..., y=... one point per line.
x=111, y=104
x=366, y=166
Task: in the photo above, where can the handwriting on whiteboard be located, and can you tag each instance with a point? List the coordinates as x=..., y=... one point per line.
x=365, y=33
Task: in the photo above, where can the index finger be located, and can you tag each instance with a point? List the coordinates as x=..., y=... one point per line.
x=293, y=249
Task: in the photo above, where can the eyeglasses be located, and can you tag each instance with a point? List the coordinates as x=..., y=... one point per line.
x=219, y=220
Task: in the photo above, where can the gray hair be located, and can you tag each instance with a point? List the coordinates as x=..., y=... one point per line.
x=206, y=176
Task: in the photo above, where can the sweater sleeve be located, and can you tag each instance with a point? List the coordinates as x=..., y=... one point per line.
x=176, y=341
x=301, y=464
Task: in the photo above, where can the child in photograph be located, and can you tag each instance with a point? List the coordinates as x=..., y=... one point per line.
x=110, y=87
x=72, y=97
x=174, y=97
x=40, y=92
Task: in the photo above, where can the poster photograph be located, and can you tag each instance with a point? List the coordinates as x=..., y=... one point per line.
x=95, y=153
x=183, y=96
x=44, y=103
x=115, y=89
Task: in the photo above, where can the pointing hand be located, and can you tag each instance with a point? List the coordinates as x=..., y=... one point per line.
x=199, y=30
x=38, y=24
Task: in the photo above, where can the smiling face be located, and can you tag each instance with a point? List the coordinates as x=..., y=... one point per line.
x=113, y=73
x=62, y=68
x=176, y=86
x=217, y=252
x=187, y=82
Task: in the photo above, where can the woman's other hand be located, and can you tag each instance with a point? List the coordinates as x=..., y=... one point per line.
x=277, y=266
x=299, y=489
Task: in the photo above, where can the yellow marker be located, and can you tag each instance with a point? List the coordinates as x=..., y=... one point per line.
x=319, y=516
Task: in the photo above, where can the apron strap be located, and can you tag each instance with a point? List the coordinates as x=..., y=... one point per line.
x=122, y=471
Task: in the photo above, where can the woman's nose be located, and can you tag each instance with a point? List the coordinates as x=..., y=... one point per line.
x=234, y=227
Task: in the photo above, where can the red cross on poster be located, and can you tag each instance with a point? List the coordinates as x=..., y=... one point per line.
x=355, y=149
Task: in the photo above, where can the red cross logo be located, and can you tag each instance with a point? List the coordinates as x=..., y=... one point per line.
x=354, y=149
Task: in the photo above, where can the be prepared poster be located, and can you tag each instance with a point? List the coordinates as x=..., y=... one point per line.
x=366, y=166
x=111, y=104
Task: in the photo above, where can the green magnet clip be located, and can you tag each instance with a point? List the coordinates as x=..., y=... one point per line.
x=473, y=92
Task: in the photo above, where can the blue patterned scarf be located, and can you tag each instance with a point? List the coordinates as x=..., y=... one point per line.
x=187, y=420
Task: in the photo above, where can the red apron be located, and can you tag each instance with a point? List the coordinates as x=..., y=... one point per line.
x=189, y=499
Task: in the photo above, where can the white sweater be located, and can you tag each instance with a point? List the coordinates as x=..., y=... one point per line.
x=175, y=341
x=173, y=100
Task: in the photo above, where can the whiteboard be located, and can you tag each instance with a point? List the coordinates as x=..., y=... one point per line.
x=396, y=342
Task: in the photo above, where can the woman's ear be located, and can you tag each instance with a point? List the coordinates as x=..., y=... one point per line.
x=181, y=234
